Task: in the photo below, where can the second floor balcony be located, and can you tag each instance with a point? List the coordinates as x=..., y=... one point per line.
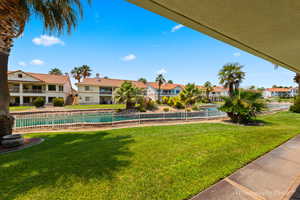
x=34, y=91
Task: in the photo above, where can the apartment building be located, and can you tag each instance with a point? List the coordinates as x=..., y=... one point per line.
x=100, y=90
x=280, y=92
x=25, y=87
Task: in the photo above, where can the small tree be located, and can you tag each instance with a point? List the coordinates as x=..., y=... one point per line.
x=55, y=71
x=160, y=79
x=242, y=108
x=143, y=80
x=208, y=89
x=127, y=94
x=231, y=76
x=85, y=71
x=190, y=95
x=170, y=82
x=77, y=74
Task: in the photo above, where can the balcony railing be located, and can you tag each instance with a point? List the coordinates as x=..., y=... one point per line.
x=106, y=92
x=14, y=90
x=35, y=91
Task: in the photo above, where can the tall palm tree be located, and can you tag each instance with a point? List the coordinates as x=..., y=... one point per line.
x=190, y=95
x=297, y=80
x=55, y=71
x=86, y=71
x=208, y=89
x=160, y=80
x=77, y=73
x=56, y=15
x=231, y=76
x=127, y=94
x=143, y=80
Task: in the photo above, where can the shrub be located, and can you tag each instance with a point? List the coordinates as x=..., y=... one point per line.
x=166, y=109
x=165, y=100
x=296, y=107
x=178, y=105
x=58, y=102
x=195, y=107
x=242, y=109
x=171, y=101
x=188, y=110
x=39, y=102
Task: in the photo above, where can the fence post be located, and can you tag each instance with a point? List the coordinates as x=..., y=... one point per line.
x=112, y=119
x=139, y=117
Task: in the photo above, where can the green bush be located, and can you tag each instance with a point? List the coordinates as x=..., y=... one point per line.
x=188, y=110
x=165, y=100
x=39, y=102
x=195, y=107
x=296, y=107
x=242, y=108
x=178, y=105
x=166, y=109
x=58, y=102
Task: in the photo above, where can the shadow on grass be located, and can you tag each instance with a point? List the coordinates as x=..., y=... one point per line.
x=62, y=157
x=296, y=195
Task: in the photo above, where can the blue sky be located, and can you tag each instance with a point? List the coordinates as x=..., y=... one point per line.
x=120, y=40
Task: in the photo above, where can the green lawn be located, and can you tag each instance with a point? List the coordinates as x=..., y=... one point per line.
x=99, y=106
x=20, y=108
x=162, y=162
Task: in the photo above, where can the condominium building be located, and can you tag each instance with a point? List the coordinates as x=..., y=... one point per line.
x=101, y=90
x=25, y=87
x=280, y=92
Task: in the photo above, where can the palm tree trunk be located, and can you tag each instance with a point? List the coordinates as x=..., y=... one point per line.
x=159, y=93
x=6, y=120
x=231, y=90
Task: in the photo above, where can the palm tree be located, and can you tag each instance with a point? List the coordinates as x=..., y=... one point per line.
x=56, y=15
x=190, y=95
x=208, y=89
x=160, y=80
x=297, y=80
x=231, y=76
x=143, y=80
x=77, y=73
x=55, y=71
x=127, y=94
x=86, y=71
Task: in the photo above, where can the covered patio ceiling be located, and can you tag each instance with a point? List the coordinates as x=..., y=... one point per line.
x=269, y=29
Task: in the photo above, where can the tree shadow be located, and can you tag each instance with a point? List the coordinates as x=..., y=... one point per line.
x=296, y=195
x=81, y=156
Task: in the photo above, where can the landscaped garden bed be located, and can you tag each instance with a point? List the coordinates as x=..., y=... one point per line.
x=160, y=162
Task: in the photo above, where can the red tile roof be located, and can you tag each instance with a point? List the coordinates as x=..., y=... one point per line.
x=107, y=82
x=47, y=78
x=166, y=86
x=279, y=89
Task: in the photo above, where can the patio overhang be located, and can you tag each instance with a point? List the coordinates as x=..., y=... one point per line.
x=269, y=29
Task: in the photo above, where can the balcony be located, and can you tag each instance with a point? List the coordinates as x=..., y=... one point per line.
x=109, y=92
x=34, y=91
x=14, y=89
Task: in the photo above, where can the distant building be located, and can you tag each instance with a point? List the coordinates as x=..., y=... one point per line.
x=280, y=92
x=166, y=90
x=25, y=87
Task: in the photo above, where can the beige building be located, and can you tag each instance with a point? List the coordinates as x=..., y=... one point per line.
x=24, y=87
x=100, y=90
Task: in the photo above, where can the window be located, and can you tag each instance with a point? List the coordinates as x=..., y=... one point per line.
x=87, y=88
x=61, y=88
x=20, y=75
x=50, y=99
x=87, y=98
x=52, y=87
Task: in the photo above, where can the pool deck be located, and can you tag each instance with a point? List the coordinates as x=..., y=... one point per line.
x=274, y=176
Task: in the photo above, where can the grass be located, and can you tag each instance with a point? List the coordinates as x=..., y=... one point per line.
x=99, y=106
x=20, y=108
x=161, y=162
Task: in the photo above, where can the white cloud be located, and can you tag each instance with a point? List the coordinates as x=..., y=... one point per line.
x=177, y=27
x=37, y=62
x=22, y=64
x=237, y=54
x=129, y=57
x=162, y=71
x=47, y=40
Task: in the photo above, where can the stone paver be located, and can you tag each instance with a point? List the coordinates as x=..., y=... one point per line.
x=274, y=176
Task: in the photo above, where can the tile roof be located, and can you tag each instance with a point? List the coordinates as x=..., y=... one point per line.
x=107, y=82
x=279, y=89
x=47, y=78
x=166, y=86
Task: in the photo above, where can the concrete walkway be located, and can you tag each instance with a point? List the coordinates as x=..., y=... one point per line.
x=274, y=176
